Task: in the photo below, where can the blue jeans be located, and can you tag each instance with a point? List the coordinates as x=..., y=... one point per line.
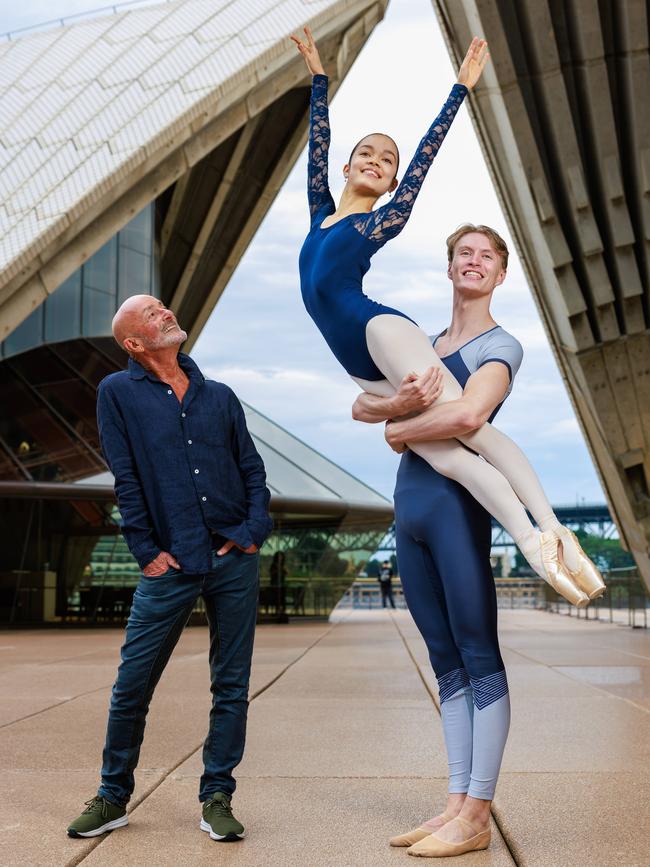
x=161, y=608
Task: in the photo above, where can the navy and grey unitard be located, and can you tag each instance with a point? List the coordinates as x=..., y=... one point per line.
x=334, y=260
x=443, y=552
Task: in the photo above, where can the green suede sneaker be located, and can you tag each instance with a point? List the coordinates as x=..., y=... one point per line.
x=99, y=817
x=219, y=820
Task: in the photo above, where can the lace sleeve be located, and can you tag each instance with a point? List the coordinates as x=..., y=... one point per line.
x=390, y=219
x=318, y=191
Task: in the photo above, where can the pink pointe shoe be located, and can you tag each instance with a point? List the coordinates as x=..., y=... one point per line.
x=587, y=577
x=557, y=576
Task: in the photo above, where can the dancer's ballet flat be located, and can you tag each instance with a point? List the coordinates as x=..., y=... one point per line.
x=434, y=847
x=410, y=837
x=587, y=577
x=556, y=575
x=420, y=833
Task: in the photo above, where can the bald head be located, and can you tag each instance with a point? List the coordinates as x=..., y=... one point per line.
x=130, y=316
x=144, y=325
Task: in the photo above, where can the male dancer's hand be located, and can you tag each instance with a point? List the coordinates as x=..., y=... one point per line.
x=474, y=63
x=160, y=565
x=310, y=53
x=396, y=444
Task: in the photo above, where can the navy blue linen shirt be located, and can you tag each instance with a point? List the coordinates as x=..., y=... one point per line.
x=182, y=470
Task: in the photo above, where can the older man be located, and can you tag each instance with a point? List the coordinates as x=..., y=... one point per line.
x=191, y=491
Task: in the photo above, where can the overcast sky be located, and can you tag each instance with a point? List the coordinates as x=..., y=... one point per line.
x=260, y=340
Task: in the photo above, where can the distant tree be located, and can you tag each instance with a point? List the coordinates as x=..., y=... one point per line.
x=314, y=556
x=606, y=553
x=372, y=568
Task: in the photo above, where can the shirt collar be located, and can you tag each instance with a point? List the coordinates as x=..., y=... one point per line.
x=137, y=371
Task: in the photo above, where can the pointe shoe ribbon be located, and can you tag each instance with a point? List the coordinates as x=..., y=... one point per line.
x=433, y=847
x=587, y=577
x=557, y=577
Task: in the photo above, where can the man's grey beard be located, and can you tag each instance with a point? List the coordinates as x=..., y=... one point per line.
x=163, y=341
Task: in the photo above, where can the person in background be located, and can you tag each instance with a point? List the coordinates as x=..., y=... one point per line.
x=386, y=584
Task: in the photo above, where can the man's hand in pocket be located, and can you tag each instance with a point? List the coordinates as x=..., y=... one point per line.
x=230, y=544
x=160, y=565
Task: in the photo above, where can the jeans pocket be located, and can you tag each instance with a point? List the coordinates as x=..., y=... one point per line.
x=156, y=585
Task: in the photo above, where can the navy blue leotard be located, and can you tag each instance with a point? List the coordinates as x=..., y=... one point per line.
x=443, y=553
x=334, y=260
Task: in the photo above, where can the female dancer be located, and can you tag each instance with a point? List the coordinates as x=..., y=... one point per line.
x=379, y=346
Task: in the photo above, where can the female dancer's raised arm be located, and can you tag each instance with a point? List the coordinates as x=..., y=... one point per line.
x=379, y=345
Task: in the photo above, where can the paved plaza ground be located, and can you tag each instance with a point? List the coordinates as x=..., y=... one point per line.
x=344, y=747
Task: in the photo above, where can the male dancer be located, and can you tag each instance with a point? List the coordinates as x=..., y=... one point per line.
x=443, y=542
x=191, y=491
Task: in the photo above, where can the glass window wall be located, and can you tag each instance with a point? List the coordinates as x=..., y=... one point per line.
x=63, y=311
x=28, y=334
x=87, y=301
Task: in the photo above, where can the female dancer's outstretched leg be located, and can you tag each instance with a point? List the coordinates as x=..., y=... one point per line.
x=500, y=483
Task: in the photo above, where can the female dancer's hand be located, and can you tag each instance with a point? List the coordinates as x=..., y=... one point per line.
x=474, y=63
x=310, y=53
x=417, y=392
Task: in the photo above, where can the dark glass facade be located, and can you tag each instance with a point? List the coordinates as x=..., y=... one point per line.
x=85, y=304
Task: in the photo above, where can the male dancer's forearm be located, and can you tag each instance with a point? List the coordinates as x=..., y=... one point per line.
x=371, y=408
x=440, y=422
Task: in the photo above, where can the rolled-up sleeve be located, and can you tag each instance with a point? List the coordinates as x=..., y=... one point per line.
x=137, y=525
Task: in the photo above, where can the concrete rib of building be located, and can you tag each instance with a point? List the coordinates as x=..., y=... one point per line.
x=563, y=117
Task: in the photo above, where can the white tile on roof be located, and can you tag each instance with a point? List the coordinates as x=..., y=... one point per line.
x=75, y=114
x=122, y=103
x=135, y=23
x=82, y=106
x=27, y=228
x=132, y=63
x=176, y=62
x=14, y=103
x=49, y=105
x=145, y=125
x=90, y=64
x=69, y=47
x=61, y=160
x=235, y=19
x=18, y=163
x=82, y=182
x=275, y=24
x=23, y=54
x=230, y=63
x=185, y=20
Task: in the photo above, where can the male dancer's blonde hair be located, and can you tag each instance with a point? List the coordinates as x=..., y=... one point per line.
x=495, y=238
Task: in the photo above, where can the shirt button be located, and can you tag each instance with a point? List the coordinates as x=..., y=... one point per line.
x=204, y=499
x=189, y=442
x=169, y=391
x=183, y=414
x=197, y=472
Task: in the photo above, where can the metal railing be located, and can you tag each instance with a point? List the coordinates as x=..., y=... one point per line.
x=31, y=598
x=625, y=602
x=367, y=594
